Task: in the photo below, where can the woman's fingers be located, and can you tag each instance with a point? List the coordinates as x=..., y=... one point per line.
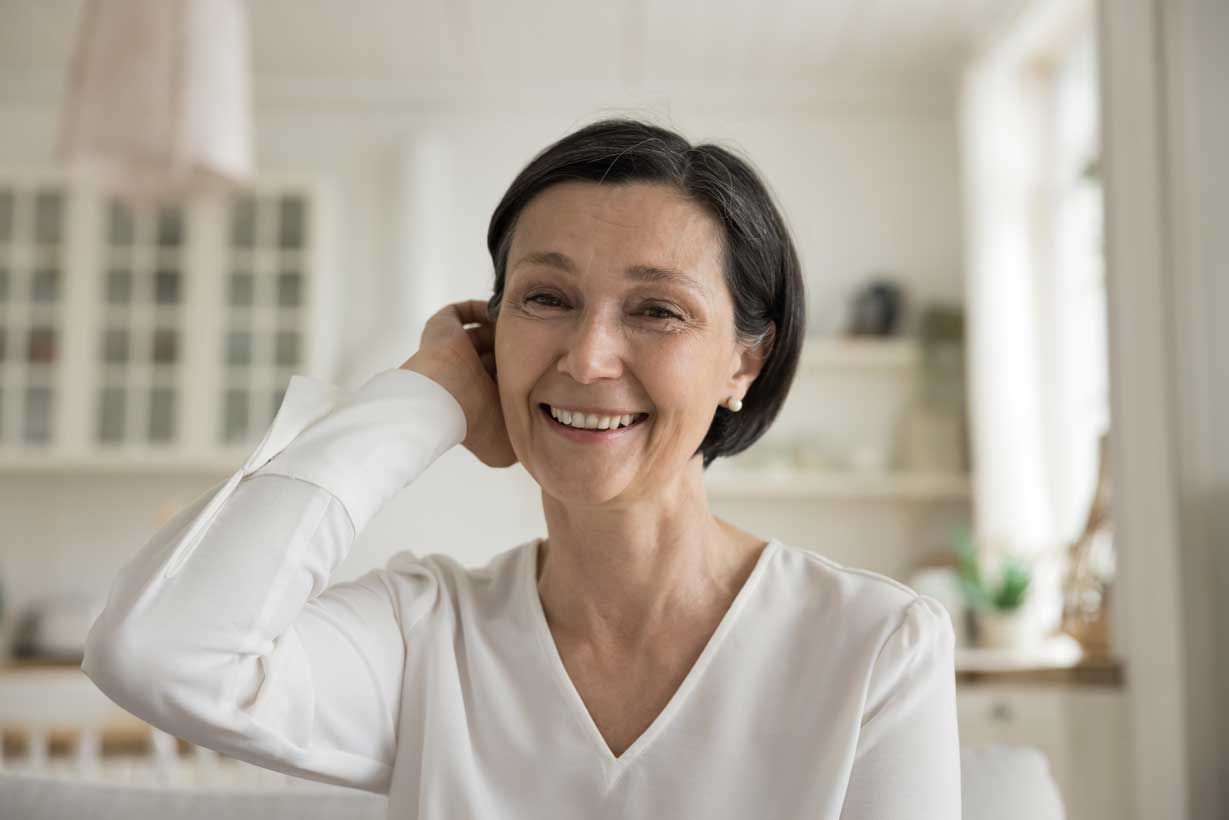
x=482, y=336
x=440, y=358
x=472, y=310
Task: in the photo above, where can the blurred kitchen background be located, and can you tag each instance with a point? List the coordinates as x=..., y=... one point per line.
x=1006, y=211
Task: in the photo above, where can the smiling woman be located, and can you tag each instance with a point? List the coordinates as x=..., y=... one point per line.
x=598, y=338
x=645, y=658
x=702, y=222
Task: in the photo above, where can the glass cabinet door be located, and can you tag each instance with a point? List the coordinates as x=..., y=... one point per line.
x=32, y=239
x=141, y=288
x=160, y=335
x=268, y=266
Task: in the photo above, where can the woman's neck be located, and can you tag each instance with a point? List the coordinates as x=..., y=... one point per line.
x=616, y=576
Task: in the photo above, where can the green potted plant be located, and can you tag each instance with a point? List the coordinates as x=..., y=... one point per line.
x=998, y=604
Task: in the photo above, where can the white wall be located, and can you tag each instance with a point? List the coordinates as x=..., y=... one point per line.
x=865, y=186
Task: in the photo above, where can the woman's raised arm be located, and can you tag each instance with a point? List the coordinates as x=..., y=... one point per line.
x=224, y=630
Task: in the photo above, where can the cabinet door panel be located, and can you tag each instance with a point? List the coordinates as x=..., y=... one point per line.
x=269, y=264
x=141, y=279
x=33, y=239
x=1078, y=729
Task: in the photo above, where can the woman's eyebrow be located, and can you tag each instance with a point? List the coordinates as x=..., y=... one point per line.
x=644, y=273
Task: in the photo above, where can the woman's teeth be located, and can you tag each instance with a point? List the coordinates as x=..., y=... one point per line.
x=589, y=421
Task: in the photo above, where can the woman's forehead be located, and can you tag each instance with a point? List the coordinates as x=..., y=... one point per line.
x=640, y=228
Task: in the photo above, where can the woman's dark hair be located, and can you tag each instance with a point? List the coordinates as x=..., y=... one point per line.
x=761, y=263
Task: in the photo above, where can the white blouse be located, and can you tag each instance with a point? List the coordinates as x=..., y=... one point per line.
x=825, y=691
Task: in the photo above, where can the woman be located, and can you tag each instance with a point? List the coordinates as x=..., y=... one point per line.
x=646, y=658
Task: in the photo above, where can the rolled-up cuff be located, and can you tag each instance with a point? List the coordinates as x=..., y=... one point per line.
x=361, y=446
x=374, y=441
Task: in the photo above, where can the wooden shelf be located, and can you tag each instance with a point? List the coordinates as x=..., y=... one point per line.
x=13, y=664
x=893, y=352
x=1057, y=651
x=765, y=484
x=130, y=738
x=33, y=463
x=1059, y=659
x=1103, y=672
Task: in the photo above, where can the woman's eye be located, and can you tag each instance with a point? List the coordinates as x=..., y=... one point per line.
x=551, y=300
x=663, y=313
x=534, y=296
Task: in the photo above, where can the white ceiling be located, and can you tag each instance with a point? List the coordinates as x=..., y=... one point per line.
x=455, y=47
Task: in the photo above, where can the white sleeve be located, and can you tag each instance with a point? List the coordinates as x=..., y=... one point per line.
x=223, y=629
x=907, y=763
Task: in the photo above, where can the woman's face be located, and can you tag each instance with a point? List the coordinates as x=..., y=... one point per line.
x=614, y=300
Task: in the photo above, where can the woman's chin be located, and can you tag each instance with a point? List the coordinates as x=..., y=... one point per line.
x=579, y=483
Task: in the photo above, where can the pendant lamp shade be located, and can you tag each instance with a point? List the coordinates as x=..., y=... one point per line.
x=159, y=98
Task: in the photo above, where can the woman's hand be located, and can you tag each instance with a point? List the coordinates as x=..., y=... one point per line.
x=462, y=360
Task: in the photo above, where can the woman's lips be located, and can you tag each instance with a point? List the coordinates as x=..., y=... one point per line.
x=592, y=436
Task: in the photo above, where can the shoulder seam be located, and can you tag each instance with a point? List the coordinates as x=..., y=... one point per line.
x=904, y=618
x=866, y=573
x=918, y=598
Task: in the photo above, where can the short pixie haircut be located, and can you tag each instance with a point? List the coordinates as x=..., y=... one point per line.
x=761, y=266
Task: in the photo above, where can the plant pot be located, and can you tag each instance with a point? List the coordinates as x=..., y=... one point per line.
x=1012, y=629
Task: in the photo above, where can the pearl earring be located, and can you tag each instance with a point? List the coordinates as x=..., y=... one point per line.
x=735, y=404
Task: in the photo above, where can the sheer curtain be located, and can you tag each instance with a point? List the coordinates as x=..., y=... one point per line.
x=1034, y=289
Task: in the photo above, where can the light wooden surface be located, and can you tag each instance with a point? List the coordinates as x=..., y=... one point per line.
x=53, y=702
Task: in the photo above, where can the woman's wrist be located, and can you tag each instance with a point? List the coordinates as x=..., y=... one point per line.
x=441, y=374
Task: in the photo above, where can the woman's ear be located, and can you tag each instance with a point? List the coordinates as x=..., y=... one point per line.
x=751, y=361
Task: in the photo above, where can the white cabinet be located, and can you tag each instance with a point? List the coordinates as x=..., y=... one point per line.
x=160, y=336
x=1079, y=728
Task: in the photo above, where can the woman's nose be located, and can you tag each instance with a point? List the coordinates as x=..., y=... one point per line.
x=594, y=350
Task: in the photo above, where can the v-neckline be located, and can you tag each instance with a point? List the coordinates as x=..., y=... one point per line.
x=576, y=705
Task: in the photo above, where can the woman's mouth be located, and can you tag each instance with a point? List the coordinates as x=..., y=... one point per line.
x=589, y=435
